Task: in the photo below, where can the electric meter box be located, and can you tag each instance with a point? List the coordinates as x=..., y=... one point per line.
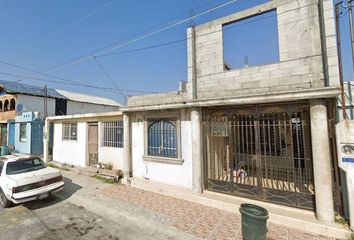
x=345, y=145
x=345, y=150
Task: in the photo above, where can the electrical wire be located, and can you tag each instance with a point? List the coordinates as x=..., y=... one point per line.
x=65, y=79
x=94, y=54
x=78, y=21
x=142, y=32
x=109, y=78
x=226, y=28
x=145, y=48
x=75, y=84
x=134, y=50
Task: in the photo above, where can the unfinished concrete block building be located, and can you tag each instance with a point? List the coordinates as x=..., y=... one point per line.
x=258, y=131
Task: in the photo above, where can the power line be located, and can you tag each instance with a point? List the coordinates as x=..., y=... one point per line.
x=136, y=50
x=113, y=90
x=66, y=79
x=141, y=32
x=104, y=50
x=168, y=27
x=109, y=78
x=78, y=21
x=200, y=35
x=182, y=40
x=145, y=48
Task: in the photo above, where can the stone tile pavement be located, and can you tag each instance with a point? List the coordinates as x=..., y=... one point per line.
x=195, y=219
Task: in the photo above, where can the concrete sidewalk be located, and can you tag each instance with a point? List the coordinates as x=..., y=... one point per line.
x=86, y=192
x=163, y=216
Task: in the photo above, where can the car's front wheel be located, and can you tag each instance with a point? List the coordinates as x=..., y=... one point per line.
x=4, y=202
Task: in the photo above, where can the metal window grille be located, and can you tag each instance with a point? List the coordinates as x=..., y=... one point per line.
x=70, y=131
x=162, y=138
x=23, y=132
x=112, y=134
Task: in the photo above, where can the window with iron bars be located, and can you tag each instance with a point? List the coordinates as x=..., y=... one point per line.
x=162, y=138
x=112, y=134
x=70, y=131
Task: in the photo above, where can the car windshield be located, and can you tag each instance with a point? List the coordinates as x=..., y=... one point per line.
x=23, y=166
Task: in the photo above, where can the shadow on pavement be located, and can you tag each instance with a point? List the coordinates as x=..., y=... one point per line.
x=69, y=189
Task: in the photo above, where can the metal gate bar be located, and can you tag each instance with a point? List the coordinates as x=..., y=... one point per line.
x=260, y=154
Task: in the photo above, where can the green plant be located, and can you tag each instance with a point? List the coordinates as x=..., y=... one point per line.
x=351, y=236
x=103, y=179
x=340, y=220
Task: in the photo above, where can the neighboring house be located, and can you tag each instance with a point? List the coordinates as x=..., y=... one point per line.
x=17, y=98
x=29, y=133
x=87, y=139
x=259, y=132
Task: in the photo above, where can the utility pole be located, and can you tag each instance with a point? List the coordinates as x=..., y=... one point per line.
x=350, y=15
x=339, y=48
x=45, y=89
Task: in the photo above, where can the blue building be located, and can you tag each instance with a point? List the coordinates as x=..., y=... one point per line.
x=28, y=133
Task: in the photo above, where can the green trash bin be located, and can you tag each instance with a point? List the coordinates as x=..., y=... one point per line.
x=254, y=222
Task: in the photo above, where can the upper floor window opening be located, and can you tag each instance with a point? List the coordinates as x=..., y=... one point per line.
x=6, y=105
x=12, y=104
x=251, y=41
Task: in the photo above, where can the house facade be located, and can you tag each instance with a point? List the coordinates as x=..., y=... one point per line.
x=18, y=98
x=28, y=137
x=260, y=132
x=87, y=139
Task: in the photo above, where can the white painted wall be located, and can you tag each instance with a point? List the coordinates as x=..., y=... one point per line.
x=75, y=152
x=178, y=175
x=111, y=155
x=70, y=152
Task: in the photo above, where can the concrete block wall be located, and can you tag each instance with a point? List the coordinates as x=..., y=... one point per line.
x=157, y=99
x=300, y=50
x=330, y=43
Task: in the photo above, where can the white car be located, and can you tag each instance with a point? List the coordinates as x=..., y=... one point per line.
x=24, y=179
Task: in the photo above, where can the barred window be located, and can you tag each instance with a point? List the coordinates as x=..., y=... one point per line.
x=112, y=134
x=23, y=132
x=162, y=138
x=70, y=131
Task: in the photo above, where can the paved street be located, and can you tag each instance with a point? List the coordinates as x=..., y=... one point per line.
x=60, y=218
x=89, y=209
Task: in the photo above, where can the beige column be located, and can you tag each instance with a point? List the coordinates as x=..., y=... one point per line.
x=197, y=157
x=127, y=166
x=322, y=168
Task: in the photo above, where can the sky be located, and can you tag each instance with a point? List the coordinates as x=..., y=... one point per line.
x=41, y=34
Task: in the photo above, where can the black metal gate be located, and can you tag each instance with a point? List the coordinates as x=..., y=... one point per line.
x=262, y=153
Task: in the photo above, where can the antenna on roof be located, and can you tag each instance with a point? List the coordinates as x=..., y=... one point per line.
x=246, y=61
